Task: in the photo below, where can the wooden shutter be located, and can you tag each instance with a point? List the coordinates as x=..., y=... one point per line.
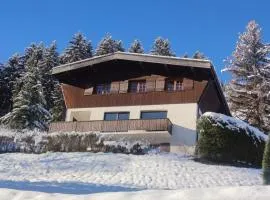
x=160, y=84
x=123, y=86
x=188, y=84
x=88, y=91
x=150, y=85
x=115, y=87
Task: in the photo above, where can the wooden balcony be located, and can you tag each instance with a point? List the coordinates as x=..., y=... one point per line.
x=113, y=126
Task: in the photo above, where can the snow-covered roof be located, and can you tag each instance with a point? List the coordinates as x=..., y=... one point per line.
x=167, y=60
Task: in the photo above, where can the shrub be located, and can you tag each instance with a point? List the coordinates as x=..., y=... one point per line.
x=266, y=164
x=22, y=141
x=39, y=142
x=226, y=139
x=74, y=142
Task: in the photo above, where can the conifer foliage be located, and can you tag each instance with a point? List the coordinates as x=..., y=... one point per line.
x=29, y=103
x=9, y=76
x=198, y=55
x=79, y=48
x=136, y=47
x=162, y=47
x=248, y=91
x=109, y=45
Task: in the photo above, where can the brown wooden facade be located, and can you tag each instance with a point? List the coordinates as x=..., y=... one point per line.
x=200, y=84
x=75, y=97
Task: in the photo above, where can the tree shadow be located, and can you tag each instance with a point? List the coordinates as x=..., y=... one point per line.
x=64, y=187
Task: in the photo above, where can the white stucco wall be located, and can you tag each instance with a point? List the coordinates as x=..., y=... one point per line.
x=183, y=117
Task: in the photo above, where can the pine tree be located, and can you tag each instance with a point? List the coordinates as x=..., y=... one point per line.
x=79, y=48
x=58, y=109
x=29, y=103
x=266, y=164
x=52, y=92
x=162, y=47
x=50, y=60
x=185, y=55
x=248, y=89
x=9, y=83
x=108, y=45
x=198, y=55
x=136, y=47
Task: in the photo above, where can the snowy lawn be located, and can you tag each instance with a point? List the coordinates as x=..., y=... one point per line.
x=85, y=173
x=218, y=193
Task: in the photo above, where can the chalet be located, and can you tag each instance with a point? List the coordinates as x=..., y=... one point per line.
x=139, y=97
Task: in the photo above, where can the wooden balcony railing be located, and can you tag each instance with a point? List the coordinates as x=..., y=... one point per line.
x=113, y=126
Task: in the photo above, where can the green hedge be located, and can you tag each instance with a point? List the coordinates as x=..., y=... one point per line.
x=225, y=139
x=266, y=164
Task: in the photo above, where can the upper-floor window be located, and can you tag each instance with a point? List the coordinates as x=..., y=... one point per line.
x=108, y=116
x=137, y=86
x=104, y=88
x=174, y=85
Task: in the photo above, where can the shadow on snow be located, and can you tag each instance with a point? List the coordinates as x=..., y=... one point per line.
x=64, y=187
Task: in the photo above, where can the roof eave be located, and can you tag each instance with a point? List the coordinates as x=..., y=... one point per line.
x=166, y=60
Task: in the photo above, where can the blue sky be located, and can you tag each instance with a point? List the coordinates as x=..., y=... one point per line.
x=210, y=26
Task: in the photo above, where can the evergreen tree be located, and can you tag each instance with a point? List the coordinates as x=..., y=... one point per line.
x=79, y=48
x=248, y=89
x=136, y=47
x=50, y=60
x=266, y=164
x=29, y=103
x=198, y=55
x=58, y=109
x=108, y=45
x=52, y=92
x=9, y=77
x=162, y=47
x=185, y=55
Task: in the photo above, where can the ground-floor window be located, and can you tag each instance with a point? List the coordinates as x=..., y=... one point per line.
x=153, y=114
x=116, y=116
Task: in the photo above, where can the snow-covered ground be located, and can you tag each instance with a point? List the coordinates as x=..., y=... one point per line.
x=85, y=173
x=218, y=193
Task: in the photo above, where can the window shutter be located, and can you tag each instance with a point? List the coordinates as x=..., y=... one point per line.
x=123, y=86
x=150, y=85
x=160, y=84
x=88, y=91
x=188, y=84
x=115, y=87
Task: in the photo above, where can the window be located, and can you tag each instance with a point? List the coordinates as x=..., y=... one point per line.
x=170, y=85
x=103, y=88
x=174, y=85
x=178, y=85
x=116, y=116
x=153, y=114
x=137, y=86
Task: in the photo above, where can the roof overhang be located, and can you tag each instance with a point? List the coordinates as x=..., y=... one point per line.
x=166, y=60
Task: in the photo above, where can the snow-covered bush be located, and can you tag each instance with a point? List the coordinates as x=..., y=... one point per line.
x=92, y=142
x=22, y=141
x=226, y=139
x=266, y=164
x=75, y=142
x=135, y=147
x=27, y=141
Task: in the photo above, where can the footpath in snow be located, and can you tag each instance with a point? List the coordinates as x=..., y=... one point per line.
x=86, y=173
